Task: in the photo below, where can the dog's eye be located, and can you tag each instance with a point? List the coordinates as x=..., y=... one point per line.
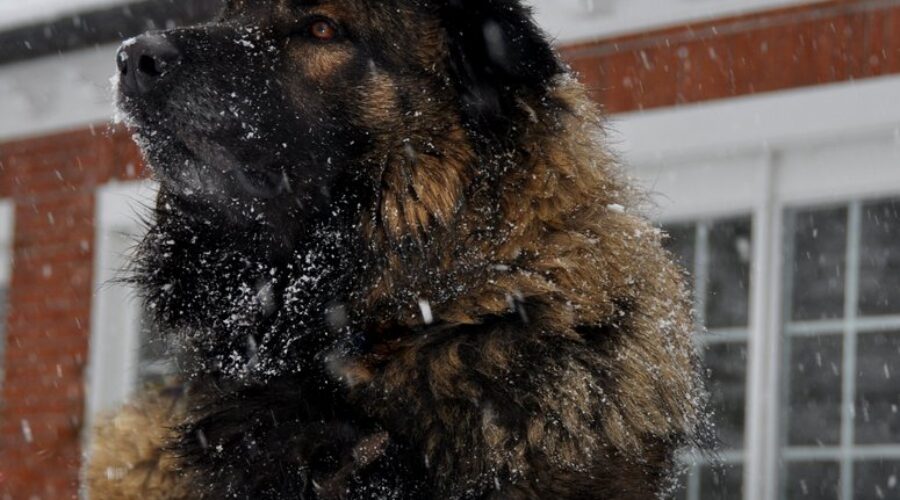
x=323, y=30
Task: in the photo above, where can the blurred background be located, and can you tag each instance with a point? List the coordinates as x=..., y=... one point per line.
x=768, y=132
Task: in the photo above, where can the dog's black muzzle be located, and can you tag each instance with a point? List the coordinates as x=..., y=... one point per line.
x=145, y=62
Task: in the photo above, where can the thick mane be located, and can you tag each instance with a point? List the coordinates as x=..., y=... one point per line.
x=554, y=235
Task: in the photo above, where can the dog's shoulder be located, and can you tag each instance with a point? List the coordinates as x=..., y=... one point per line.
x=129, y=454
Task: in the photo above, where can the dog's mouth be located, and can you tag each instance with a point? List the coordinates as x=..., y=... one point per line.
x=255, y=177
x=214, y=165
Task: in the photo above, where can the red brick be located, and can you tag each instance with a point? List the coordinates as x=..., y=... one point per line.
x=770, y=51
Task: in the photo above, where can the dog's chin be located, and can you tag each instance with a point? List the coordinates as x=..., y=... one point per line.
x=194, y=165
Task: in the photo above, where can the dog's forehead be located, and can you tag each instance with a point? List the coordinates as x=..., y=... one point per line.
x=279, y=4
x=356, y=9
x=302, y=4
x=374, y=12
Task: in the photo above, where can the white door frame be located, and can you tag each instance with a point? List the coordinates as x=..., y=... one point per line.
x=115, y=313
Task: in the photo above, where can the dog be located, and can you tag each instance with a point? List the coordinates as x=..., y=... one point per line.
x=392, y=257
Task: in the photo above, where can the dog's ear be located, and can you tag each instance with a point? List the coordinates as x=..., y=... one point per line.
x=496, y=53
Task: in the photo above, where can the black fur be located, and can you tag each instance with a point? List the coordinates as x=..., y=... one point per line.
x=496, y=54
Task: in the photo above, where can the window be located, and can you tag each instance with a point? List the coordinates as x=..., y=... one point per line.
x=841, y=354
x=816, y=171
x=153, y=364
x=717, y=256
x=123, y=354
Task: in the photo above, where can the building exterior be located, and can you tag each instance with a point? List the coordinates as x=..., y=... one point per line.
x=768, y=132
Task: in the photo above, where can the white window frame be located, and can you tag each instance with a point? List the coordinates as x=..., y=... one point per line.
x=761, y=155
x=845, y=453
x=7, y=235
x=581, y=20
x=115, y=314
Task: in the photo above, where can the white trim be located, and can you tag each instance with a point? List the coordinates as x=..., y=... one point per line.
x=114, y=315
x=7, y=249
x=753, y=125
x=836, y=453
x=848, y=370
x=759, y=355
x=14, y=13
x=872, y=324
x=840, y=169
x=827, y=143
x=680, y=193
x=578, y=20
x=7, y=234
x=57, y=93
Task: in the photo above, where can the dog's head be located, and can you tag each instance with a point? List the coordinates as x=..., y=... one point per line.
x=278, y=105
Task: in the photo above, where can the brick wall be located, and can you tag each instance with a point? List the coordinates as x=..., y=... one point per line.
x=53, y=180
x=828, y=42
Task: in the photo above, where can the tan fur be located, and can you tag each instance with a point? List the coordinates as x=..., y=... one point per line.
x=320, y=65
x=568, y=246
x=128, y=458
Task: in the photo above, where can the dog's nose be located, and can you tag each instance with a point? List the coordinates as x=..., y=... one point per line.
x=144, y=62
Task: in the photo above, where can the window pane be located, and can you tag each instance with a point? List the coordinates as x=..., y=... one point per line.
x=680, y=490
x=681, y=243
x=876, y=479
x=729, y=273
x=726, y=363
x=153, y=363
x=879, y=273
x=819, y=251
x=726, y=247
x=814, y=398
x=722, y=483
x=813, y=480
x=878, y=388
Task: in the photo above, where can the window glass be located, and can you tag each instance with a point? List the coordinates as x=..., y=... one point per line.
x=726, y=364
x=814, y=400
x=819, y=248
x=812, y=480
x=842, y=351
x=717, y=256
x=681, y=241
x=721, y=483
x=154, y=366
x=878, y=389
x=727, y=304
x=879, y=273
x=876, y=480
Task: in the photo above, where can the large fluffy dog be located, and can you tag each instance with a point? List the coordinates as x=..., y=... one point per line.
x=393, y=260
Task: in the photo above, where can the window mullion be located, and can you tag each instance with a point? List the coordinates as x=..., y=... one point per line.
x=701, y=274
x=848, y=390
x=760, y=447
